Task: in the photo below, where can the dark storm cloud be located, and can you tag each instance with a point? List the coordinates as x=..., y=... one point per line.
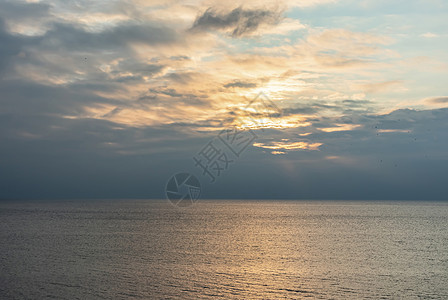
x=239, y=21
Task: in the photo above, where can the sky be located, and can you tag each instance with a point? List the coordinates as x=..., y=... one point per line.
x=109, y=99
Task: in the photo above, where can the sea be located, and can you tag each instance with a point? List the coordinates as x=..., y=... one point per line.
x=223, y=249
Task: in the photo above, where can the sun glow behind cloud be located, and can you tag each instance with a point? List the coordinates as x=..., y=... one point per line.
x=117, y=88
x=210, y=58
x=199, y=62
x=285, y=144
x=340, y=127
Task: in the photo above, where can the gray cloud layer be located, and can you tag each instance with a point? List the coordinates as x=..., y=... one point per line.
x=401, y=155
x=58, y=73
x=438, y=100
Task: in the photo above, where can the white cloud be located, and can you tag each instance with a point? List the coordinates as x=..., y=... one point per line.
x=429, y=35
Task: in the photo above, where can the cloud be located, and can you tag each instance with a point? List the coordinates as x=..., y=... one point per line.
x=348, y=41
x=340, y=127
x=288, y=145
x=379, y=87
x=129, y=83
x=11, y=47
x=437, y=100
x=278, y=152
x=76, y=38
x=429, y=35
x=25, y=18
x=238, y=22
x=262, y=3
x=342, y=48
x=284, y=27
x=240, y=84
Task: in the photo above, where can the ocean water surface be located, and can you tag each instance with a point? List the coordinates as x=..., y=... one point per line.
x=120, y=249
